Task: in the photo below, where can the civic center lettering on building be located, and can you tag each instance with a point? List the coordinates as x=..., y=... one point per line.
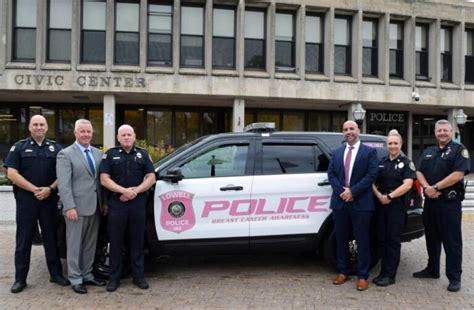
x=81, y=80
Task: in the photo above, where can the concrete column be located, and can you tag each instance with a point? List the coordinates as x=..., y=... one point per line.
x=300, y=41
x=329, y=44
x=176, y=34
x=109, y=34
x=384, y=48
x=41, y=29
x=76, y=33
x=409, y=50
x=208, y=37
x=238, y=115
x=434, y=54
x=409, y=142
x=459, y=46
x=240, y=38
x=109, y=121
x=356, y=43
x=271, y=12
x=452, y=120
x=142, y=45
x=5, y=32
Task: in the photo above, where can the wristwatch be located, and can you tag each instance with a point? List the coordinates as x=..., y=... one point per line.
x=435, y=186
x=388, y=196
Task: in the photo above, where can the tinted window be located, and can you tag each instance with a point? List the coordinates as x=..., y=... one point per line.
x=222, y=161
x=290, y=159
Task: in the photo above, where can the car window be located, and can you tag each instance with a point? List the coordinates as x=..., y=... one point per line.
x=221, y=161
x=291, y=159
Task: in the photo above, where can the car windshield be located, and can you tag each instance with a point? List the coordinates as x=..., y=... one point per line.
x=178, y=151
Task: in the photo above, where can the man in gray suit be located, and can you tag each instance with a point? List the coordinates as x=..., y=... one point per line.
x=79, y=189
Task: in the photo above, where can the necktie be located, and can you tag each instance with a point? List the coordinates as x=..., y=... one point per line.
x=89, y=161
x=347, y=164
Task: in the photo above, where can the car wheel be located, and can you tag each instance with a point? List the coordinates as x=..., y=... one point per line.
x=329, y=252
x=102, y=260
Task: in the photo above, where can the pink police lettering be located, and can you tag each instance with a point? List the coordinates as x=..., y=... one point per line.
x=243, y=207
x=184, y=221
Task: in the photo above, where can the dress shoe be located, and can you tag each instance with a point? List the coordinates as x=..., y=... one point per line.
x=112, y=286
x=79, y=288
x=377, y=278
x=141, y=283
x=454, y=286
x=17, y=287
x=59, y=280
x=385, y=281
x=425, y=274
x=340, y=279
x=95, y=282
x=362, y=284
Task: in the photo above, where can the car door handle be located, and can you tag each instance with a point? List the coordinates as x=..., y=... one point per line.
x=232, y=188
x=324, y=183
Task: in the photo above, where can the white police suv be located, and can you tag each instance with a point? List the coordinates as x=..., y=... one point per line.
x=256, y=191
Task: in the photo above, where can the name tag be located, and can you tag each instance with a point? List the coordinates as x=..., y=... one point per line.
x=116, y=157
x=28, y=151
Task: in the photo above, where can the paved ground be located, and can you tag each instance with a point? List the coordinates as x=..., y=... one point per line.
x=243, y=282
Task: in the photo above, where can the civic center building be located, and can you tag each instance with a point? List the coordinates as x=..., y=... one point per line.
x=177, y=70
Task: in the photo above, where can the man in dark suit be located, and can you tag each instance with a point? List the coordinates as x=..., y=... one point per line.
x=77, y=169
x=352, y=171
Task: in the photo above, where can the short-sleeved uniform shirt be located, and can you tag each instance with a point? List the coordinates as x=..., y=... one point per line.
x=393, y=172
x=126, y=169
x=36, y=163
x=436, y=163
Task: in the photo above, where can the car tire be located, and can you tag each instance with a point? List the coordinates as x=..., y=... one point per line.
x=329, y=252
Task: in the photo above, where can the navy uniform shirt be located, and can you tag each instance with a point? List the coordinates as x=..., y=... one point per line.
x=126, y=169
x=436, y=163
x=393, y=172
x=37, y=164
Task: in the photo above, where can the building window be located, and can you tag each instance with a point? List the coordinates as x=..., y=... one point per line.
x=93, y=31
x=192, y=36
x=370, y=47
x=469, y=56
x=255, y=50
x=396, y=49
x=421, y=48
x=160, y=21
x=223, y=38
x=59, y=30
x=24, y=31
x=446, y=54
x=314, y=37
x=285, y=42
x=127, y=21
x=342, y=45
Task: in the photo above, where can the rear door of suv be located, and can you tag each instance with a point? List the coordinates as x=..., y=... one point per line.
x=289, y=202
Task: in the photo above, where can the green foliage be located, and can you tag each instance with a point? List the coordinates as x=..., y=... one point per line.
x=5, y=181
x=156, y=152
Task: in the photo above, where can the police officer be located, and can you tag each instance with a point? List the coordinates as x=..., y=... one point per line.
x=127, y=172
x=31, y=166
x=441, y=170
x=395, y=179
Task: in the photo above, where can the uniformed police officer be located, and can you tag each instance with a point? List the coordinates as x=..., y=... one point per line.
x=395, y=179
x=31, y=166
x=441, y=170
x=126, y=171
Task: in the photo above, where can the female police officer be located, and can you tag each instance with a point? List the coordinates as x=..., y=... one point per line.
x=395, y=179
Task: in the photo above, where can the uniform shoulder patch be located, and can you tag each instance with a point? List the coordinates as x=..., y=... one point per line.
x=412, y=166
x=465, y=153
x=12, y=148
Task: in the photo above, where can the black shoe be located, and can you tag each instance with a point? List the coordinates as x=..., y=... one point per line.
x=377, y=278
x=59, y=280
x=95, y=282
x=425, y=274
x=385, y=281
x=454, y=286
x=17, y=287
x=141, y=283
x=79, y=288
x=112, y=286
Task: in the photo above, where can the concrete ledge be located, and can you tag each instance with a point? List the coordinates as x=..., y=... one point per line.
x=6, y=188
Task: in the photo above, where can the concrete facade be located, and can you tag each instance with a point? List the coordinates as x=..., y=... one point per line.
x=239, y=89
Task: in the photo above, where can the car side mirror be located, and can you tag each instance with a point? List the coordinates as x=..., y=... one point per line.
x=174, y=175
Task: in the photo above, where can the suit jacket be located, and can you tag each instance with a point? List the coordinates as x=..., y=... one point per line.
x=363, y=176
x=78, y=188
